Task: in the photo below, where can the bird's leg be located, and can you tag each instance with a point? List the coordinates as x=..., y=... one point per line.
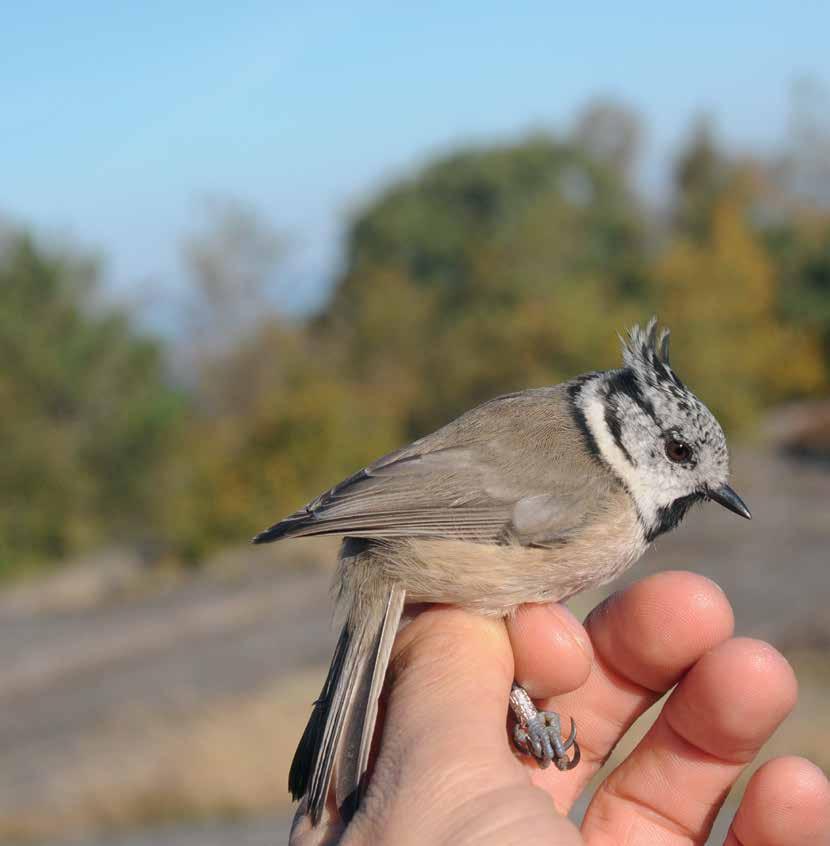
x=539, y=733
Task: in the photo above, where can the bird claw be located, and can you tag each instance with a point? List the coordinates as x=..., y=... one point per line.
x=539, y=733
x=541, y=736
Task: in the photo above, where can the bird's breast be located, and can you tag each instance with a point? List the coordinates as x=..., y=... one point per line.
x=495, y=578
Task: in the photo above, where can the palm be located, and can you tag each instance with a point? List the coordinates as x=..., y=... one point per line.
x=444, y=773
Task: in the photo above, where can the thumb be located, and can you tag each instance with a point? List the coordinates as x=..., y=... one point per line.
x=449, y=683
x=444, y=763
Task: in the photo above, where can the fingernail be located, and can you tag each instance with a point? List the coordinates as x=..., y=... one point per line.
x=572, y=626
x=715, y=584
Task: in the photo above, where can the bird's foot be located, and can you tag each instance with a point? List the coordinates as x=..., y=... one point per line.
x=539, y=733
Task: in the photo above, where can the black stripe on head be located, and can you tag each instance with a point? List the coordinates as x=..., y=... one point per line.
x=669, y=517
x=625, y=382
x=612, y=421
x=578, y=415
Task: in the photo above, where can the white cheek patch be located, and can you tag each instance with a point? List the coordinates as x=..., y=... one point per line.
x=593, y=407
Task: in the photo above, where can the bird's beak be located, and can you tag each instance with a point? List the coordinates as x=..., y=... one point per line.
x=725, y=496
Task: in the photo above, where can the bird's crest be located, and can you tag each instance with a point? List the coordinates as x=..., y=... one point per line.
x=646, y=352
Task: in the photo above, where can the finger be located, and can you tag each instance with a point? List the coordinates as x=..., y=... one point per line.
x=443, y=743
x=449, y=661
x=671, y=787
x=786, y=803
x=445, y=701
x=551, y=650
x=645, y=638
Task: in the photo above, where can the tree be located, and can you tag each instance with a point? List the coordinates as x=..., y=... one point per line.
x=800, y=245
x=87, y=415
x=722, y=294
x=610, y=133
x=807, y=159
x=273, y=418
x=451, y=272
x=702, y=172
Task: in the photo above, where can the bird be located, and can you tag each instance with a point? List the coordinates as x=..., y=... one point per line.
x=530, y=497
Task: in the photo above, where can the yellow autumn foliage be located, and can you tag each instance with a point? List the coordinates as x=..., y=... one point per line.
x=720, y=299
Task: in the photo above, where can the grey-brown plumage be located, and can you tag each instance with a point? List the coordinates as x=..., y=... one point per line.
x=530, y=497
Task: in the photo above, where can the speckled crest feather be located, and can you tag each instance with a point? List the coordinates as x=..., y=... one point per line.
x=646, y=352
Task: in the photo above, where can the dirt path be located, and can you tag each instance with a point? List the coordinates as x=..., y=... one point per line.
x=69, y=677
x=260, y=831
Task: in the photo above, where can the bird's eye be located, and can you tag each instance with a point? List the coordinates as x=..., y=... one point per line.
x=678, y=451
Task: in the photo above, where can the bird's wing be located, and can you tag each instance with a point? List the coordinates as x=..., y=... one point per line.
x=489, y=476
x=433, y=494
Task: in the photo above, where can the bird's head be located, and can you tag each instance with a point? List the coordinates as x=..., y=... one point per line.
x=661, y=441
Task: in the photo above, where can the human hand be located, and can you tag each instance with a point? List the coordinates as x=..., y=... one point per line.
x=445, y=772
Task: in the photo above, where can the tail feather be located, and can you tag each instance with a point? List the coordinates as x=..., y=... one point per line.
x=339, y=733
x=308, y=749
x=343, y=693
x=356, y=741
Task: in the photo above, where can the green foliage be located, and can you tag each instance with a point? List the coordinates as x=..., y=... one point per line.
x=801, y=248
x=721, y=294
x=86, y=414
x=701, y=175
x=431, y=228
x=292, y=427
x=468, y=278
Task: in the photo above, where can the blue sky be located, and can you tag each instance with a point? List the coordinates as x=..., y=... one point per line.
x=115, y=119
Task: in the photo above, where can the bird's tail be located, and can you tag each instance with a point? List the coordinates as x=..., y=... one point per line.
x=339, y=732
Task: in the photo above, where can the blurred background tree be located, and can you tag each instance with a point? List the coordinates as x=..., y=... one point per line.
x=465, y=276
x=489, y=269
x=798, y=235
x=88, y=416
x=269, y=418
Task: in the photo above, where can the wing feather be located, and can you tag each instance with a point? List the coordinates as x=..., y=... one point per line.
x=513, y=468
x=438, y=494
